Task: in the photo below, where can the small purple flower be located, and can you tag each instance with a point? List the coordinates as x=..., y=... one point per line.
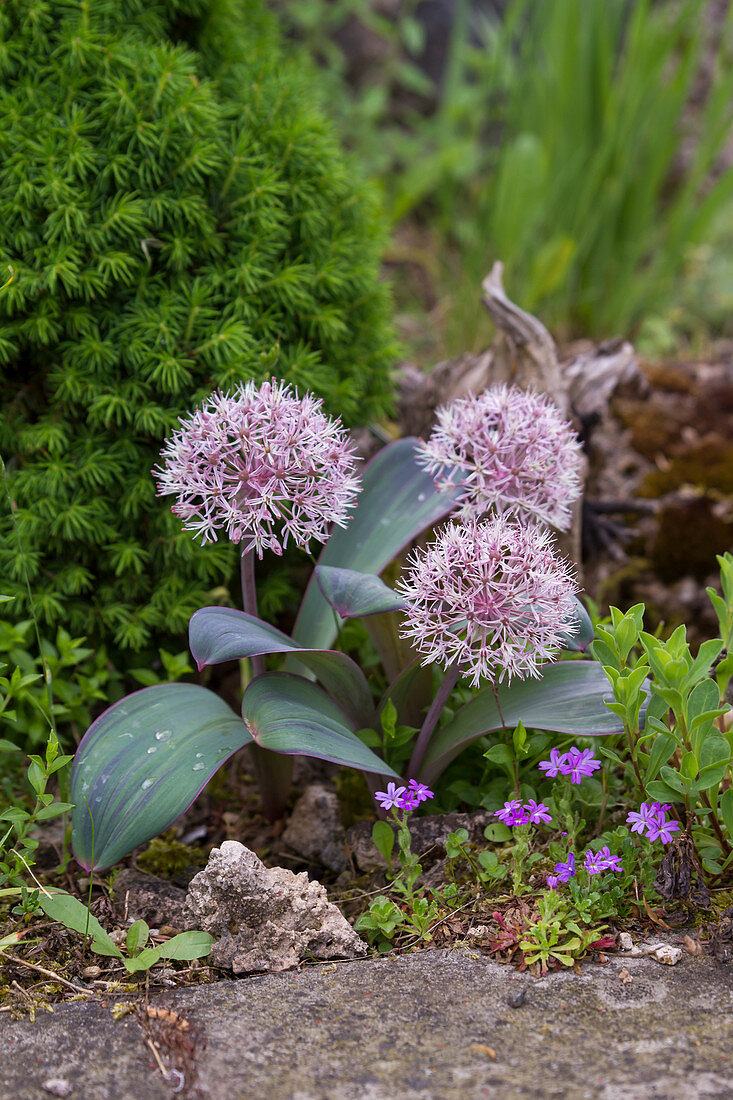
x=566, y=871
x=641, y=820
x=662, y=830
x=553, y=766
x=393, y=796
x=610, y=862
x=512, y=813
x=420, y=792
x=537, y=811
x=552, y=881
x=601, y=861
x=580, y=764
x=651, y=820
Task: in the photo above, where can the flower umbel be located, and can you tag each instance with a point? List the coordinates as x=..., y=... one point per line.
x=515, y=812
x=511, y=450
x=491, y=597
x=263, y=465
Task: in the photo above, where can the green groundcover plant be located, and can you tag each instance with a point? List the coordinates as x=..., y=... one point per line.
x=175, y=216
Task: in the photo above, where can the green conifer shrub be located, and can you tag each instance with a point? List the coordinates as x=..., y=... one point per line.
x=178, y=217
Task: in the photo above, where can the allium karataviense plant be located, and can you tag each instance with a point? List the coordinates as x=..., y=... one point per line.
x=146, y=758
x=261, y=465
x=509, y=450
x=179, y=219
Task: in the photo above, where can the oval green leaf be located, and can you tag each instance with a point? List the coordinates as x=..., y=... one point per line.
x=291, y=715
x=218, y=634
x=142, y=763
x=569, y=698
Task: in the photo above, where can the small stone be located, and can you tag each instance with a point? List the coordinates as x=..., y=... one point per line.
x=625, y=976
x=315, y=830
x=516, y=999
x=478, y=931
x=667, y=954
x=625, y=942
x=145, y=897
x=57, y=1086
x=428, y=837
x=91, y=972
x=265, y=919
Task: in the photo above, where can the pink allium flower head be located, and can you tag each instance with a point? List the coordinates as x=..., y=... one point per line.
x=511, y=451
x=263, y=465
x=490, y=596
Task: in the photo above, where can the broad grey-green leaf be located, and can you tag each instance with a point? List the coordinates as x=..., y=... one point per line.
x=142, y=763
x=569, y=698
x=291, y=715
x=353, y=594
x=219, y=634
x=397, y=501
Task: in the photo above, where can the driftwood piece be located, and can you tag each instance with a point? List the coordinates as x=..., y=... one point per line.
x=593, y=375
x=523, y=355
x=524, y=352
x=421, y=394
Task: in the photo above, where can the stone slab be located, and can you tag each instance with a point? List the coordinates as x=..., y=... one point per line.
x=421, y=1026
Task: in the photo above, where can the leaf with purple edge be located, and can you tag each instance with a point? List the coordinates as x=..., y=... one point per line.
x=397, y=501
x=292, y=715
x=569, y=698
x=354, y=594
x=218, y=634
x=142, y=763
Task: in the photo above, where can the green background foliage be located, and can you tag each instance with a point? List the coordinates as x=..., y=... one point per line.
x=178, y=217
x=582, y=142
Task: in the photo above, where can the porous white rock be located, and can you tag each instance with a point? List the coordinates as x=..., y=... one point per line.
x=265, y=919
